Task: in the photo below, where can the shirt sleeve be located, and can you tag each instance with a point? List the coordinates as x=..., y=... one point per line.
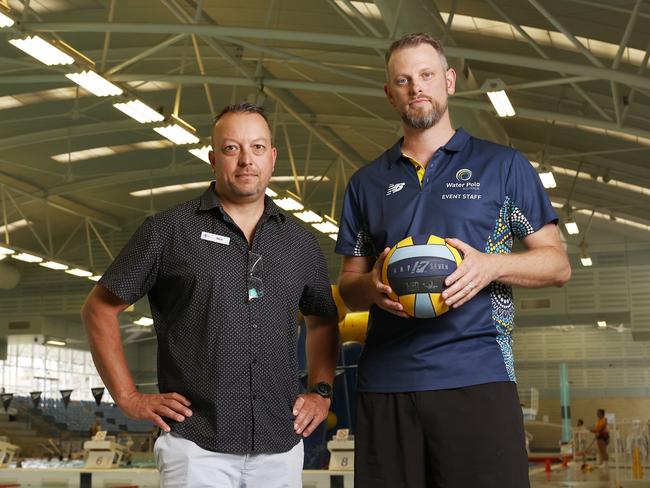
x=316, y=298
x=133, y=272
x=529, y=208
x=354, y=238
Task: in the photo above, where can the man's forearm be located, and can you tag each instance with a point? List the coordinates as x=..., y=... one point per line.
x=534, y=268
x=108, y=355
x=322, y=347
x=356, y=289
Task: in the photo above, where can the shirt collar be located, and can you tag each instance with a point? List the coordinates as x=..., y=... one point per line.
x=455, y=144
x=457, y=141
x=210, y=200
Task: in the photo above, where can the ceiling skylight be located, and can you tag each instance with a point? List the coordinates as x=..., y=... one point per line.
x=503, y=30
x=99, y=152
x=161, y=190
x=368, y=9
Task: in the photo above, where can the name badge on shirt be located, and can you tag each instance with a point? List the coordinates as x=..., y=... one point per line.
x=208, y=236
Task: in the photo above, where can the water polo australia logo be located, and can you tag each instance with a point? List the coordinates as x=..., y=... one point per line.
x=464, y=174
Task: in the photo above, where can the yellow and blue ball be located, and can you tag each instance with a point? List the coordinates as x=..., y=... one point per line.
x=415, y=269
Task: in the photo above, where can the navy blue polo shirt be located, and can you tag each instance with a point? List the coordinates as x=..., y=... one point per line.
x=480, y=192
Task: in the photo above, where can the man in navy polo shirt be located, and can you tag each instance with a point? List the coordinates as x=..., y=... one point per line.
x=437, y=403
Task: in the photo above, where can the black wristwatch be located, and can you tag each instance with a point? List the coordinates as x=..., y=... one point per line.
x=323, y=389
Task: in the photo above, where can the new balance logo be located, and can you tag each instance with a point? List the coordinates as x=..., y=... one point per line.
x=394, y=188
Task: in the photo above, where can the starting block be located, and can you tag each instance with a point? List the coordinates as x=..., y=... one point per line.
x=103, y=453
x=341, y=449
x=7, y=453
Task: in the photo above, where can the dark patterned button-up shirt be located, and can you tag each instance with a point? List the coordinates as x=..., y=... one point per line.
x=225, y=316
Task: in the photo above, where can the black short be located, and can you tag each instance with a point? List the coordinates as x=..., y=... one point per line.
x=469, y=437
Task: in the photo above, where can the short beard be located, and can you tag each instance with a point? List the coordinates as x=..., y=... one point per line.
x=421, y=121
x=246, y=193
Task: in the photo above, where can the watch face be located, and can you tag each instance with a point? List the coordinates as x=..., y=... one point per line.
x=323, y=389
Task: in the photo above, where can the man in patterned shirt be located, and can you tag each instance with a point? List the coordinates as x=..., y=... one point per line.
x=437, y=403
x=225, y=275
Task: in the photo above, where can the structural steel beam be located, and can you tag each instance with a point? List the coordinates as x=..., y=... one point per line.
x=538, y=49
x=59, y=203
x=237, y=64
x=340, y=40
x=572, y=39
x=534, y=114
x=298, y=59
x=316, y=121
x=531, y=84
x=213, y=80
x=99, y=182
x=147, y=52
x=617, y=61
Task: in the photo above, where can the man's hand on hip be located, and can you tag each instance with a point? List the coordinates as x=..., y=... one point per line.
x=310, y=410
x=150, y=406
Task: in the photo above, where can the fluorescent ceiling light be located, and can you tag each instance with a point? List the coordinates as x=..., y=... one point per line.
x=146, y=321
x=54, y=265
x=42, y=50
x=18, y=224
x=55, y=342
x=95, y=84
x=290, y=179
x=548, y=180
x=202, y=153
x=6, y=250
x=271, y=193
x=334, y=236
x=326, y=227
x=571, y=227
x=2, y=256
x=177, y=134
x=501, y=103
x=601, y=324
x=28, y=258
x=139, y=111
x=586, y=261
x=170, y=189
x=82, y=273
x=95, y=277
x=5, y=20
x=308, y=216
x=288, y=203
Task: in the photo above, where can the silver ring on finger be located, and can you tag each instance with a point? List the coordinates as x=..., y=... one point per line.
x=471, y=286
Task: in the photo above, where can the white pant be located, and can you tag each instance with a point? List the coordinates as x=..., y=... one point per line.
x=184, y=464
